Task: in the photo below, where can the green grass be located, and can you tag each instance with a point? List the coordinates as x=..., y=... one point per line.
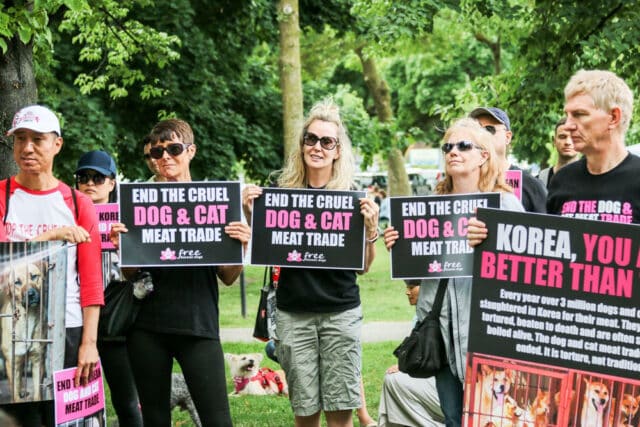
x=383, y=299
x=275, y=411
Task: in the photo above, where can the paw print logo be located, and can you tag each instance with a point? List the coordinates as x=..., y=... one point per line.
x=294, y=256
x=435, y=267
x=167, y=255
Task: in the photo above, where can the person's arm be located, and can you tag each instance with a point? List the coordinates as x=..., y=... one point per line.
x=370, y=211
x=88, y=350
x=71, y=234
x=89, y=262
x=240, y=231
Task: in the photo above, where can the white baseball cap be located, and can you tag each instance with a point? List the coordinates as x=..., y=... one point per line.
x=36, y=118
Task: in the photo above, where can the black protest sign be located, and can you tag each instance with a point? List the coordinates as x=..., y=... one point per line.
x=179, y=223
x=433, y=230
x=558, y=291
x=308, y=228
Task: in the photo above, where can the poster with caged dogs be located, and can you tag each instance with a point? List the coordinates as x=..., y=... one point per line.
x=32, y=318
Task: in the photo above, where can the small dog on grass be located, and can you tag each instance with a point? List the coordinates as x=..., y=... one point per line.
x=181, y=397
x=249, y=378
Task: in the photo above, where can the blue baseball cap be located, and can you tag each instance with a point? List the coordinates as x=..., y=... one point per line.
x=494, y=112
x=99, y=161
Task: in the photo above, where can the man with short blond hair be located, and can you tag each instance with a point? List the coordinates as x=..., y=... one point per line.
x=604, y=184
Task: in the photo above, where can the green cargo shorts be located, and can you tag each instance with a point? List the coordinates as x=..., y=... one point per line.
x=321, y=356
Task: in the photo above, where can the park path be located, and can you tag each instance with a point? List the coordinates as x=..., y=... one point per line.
x=371, y=332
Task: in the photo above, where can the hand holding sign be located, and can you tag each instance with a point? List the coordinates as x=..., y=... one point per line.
x=476, y=232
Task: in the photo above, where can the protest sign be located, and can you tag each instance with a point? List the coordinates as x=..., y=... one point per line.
x=555, y=307
x=108, y=213
x=513, y=177
x=308, y=228
x=179, y=223
x=433, y=229
x=84, y=403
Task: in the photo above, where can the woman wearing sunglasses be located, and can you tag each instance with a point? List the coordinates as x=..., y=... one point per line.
x=179, y=319
x=319, y=318
x=96, y=177
x=471, y=166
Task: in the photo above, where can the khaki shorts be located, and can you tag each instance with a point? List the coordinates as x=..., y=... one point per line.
x=321, y=356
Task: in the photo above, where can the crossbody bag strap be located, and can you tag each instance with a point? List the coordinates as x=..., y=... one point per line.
x=6, y=201
x=437, y=303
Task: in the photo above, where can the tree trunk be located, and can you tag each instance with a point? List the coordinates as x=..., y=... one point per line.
x=17, y=89
x=379, y=90
x=290, y=77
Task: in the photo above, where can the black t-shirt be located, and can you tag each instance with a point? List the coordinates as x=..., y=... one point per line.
x=534, y=194
x=613, y=196
x=317, y=290
x=184, y=301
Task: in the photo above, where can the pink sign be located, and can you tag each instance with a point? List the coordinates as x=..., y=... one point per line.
x=107, y=215
x=78, y=403
x=514, y=179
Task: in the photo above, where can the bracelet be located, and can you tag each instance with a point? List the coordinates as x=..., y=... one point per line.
x=373, y=240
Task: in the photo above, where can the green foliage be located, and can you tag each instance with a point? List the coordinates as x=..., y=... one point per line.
x=117, y=45
x=224, y=83
x=386, y=22
x=555, y=39
x=25, y=22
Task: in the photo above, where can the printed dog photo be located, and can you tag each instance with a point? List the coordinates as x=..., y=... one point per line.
x=250, y=379
x=493, y=405
x=22, y=320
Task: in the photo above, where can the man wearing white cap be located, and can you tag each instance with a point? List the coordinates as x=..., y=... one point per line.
x=35, y=200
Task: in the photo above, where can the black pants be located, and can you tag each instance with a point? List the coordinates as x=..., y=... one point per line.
x=119, y=375
x=202, y=362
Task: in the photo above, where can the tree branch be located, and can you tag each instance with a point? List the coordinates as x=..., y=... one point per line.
x=495, y=50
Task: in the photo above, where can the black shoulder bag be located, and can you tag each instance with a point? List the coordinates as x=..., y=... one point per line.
x=422, y=354
x=265, y=318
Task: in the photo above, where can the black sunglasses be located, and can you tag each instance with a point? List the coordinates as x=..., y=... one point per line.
x=462, y=146
x=147, y=156
x=326, y=142
x=174, y=149
x=491, y=129
x=85, y=177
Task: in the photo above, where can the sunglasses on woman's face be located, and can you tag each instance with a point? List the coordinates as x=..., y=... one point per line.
x=85, y=177
x=326, y=142
x=174, y=149
x=461, y=145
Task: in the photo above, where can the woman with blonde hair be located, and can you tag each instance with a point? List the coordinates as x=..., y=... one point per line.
x=319, y=318
x=471, y=166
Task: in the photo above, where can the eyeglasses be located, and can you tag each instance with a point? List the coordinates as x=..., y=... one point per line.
x=326, y=142
x=462, y=146
x=174, y=149
x=492, y=129
x=147, y=156
x=84, y=178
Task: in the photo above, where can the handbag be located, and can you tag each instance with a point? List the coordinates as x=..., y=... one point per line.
x=422, y=354
x=264, y=327
x=120, y=309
